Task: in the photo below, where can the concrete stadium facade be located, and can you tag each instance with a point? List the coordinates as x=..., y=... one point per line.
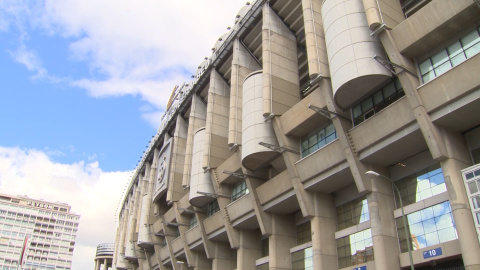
x=282, y=150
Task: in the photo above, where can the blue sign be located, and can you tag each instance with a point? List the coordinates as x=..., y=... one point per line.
x=432, y=253
x=360, y=268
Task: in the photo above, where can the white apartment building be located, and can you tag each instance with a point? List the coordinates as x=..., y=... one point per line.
x=36, y=234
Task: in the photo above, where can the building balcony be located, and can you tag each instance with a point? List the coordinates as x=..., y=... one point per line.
x=433, y=25
x=277, y=194
x=453, y=98
x=164, y=254
x=214, y=227
x=299, y=120
x=193, y=237
x=394, y=127
x=325, y=170
x=177, y=245
x=241, y=213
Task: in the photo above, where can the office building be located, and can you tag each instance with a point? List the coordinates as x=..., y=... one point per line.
x=36, y=234
x=279, y=154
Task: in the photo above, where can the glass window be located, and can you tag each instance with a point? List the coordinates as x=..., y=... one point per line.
x=239, y=190
x=212, y=208
x=454, y=54
x=427, y=227
x=302, y=259
x=476, y=202
x=265, y=247
x=371, y=105
x=318, y=139
x=355, y=249
x=193, y=222
x=420, y=186
x=352, y=213
x=304, y=233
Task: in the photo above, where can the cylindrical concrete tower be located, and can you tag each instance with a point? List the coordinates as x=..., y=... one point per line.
x=104, y=256
x=200, y=179
x=254, y=128
x=350, y=50
x=130, y=244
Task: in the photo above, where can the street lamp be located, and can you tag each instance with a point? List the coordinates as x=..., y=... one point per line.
x=403, y=214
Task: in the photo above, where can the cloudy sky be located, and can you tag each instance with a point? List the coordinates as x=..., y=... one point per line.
x=83, y=84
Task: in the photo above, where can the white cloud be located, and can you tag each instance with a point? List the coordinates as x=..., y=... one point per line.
x=134, y=48
x=92, y=193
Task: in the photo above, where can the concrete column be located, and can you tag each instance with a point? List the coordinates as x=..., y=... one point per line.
x=216, y=149
x=342, y=126
x=431, y=133
x=281, y=89
x=208, y=245
x=264, y=219
x=242, y=65
x=132, y=223
x=282, y=239
x=175, y=190
x=105, y=264
x=198, y=114
x=223, y=257
x=323, y=233
x=97, y=265
x=305, y=198
x=381, y=206
x=250, y=249
x=183, y=219
x=315, y=38
x=201, y=262
x=459, y=158
x=144, y=236
x=391, y=13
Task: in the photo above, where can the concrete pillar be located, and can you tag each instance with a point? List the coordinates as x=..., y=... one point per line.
x=431, y=132
x=175, y=190
x=242, y=65
x=201, y=262
x=196, y=120
x=223, y=257
x=305, y=198
x=381, y=206
x=323, y=233
x=105, y=264
x=342, y=127
x=183, y=219
x=281, y=89
x=282, y=239
x=264, y=219
x=97, y=265
x=216, y=150
x=132, y=223
x=459, y=158
x=315, y=38
x=250, y=249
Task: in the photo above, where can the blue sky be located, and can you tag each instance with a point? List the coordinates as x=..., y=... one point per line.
x=83, y=84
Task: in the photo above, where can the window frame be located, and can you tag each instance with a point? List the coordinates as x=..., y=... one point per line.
x=212, y=208
x=377, y=105
x=319, y=143
x=239, y=190
x=463, y=51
